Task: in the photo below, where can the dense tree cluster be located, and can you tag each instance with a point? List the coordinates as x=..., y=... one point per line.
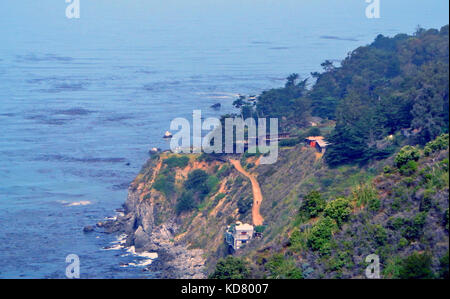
x=392, y=84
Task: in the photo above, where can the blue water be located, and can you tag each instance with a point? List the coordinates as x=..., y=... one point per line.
x=82, y=99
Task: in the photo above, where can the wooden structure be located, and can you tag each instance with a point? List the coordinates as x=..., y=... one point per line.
x=317, y=142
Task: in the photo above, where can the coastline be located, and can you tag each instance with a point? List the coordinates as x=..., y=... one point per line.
x=175, y=260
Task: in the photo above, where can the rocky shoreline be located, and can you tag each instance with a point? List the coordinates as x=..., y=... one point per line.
x=175, y=260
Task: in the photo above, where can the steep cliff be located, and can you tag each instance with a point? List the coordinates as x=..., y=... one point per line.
x=381, y=201
x=187, y=240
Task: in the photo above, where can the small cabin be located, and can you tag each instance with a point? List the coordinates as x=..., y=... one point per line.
x=239, y=234
x=317, y=142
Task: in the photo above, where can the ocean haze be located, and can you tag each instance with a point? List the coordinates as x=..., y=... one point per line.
x=83, y=100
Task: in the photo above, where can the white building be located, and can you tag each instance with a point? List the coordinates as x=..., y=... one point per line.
x=239, y=234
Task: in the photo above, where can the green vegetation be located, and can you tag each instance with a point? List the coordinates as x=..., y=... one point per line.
x=231, y=268
x=197, y=182
x=289, y=142
x=410, y=228
x=321, y=235
x=288, y=102
x=312, y=205
x=314, y=131
x=407, y=154
x=383, y=188
x=165, y=183
x=223, y=171
x=394, y=83
x=438, y=144
x=176, y=161
x=283, y=268
x=185, y=203
x=366, y=195
x=260, y=228
x=444, y=267
x=339, y=210
x=298, y=240
x=245, y=204
x=416, y=266
x=197, y=186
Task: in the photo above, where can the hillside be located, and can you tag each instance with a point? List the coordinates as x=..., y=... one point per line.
x=381, y=187
x=393, y=211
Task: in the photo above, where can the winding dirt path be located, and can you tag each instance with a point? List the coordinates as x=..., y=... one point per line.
x=257, y=194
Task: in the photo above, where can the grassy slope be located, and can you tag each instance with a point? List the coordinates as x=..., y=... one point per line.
x=408, y=216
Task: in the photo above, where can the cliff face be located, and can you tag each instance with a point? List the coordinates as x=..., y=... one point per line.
x=190, y=240
x=382, y=202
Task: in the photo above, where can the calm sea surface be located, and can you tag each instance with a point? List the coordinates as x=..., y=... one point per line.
x=82, y=101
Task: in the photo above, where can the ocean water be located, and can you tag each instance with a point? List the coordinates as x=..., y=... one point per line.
x=83, y=100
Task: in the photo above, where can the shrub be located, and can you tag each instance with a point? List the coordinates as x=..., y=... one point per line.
x=409, y=168
x=427, y=201
x=321, y=235
x=443, y=271
x=231, y=268
x=313, y=204
x=212, y=182
x=204, y=157
x=224, y=171
x=379, y=234
x=374, y=205
x=260, y=228
x=387, y=169
x=281, y=267
x=392, y=268
x=197, y=182
x=403, y=243
x=176, y=161
x=165, y=183
x=244, y=204
x=366, y=195
x=185, y=203
x=444, y=164
x=219, y=197
x=250, y=165
x=406, y=154
x=296, y=241
x=314, y=131
x=410, y=228
x=416, y=266
x=440, y=143
x=339, y=210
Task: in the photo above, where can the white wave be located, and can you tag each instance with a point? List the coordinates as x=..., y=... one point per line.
x=149, y=257
x=78, y=203
x=119, y=243
x=141, y=263
x=114, y=247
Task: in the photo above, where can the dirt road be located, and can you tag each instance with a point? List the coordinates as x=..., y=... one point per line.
x=257, y=194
